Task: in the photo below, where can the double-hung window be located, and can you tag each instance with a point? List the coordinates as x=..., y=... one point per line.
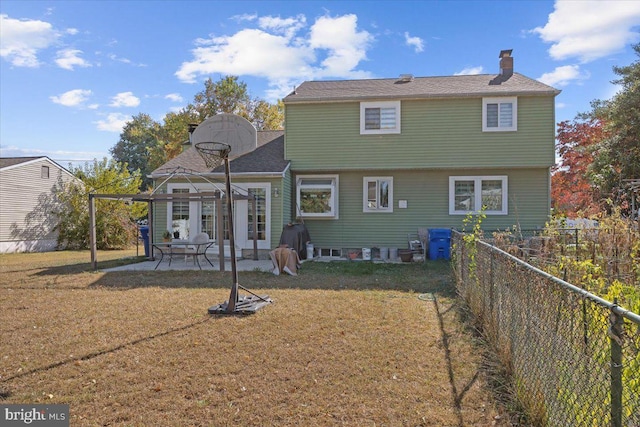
x=471, y=194
x=499, y=114
x=379, y=117
x=317, y=196
x=180, y=214
x=377, y=194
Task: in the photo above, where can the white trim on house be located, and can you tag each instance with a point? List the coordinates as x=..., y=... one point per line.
x=388, y=117
x=474, y=199
x=371, y=197
x=318, y=186
x=240, y=212
x=39, y=159
x=505, y=114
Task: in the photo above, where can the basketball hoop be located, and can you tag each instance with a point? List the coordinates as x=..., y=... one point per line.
x=213, y=153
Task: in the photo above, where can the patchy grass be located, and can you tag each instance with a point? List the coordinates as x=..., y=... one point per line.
x=344, y=344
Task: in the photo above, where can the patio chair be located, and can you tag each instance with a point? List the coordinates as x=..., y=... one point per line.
x=199, y=245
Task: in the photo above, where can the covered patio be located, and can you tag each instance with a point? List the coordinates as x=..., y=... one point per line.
x=216, y=197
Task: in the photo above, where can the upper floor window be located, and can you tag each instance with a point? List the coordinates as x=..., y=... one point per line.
x=499, y=114
x=379, y=117
x=471, y=194
x=378, y=194
x=317, y=196
x=44, y=172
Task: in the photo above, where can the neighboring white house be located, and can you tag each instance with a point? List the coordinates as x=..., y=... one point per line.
x=27, y=201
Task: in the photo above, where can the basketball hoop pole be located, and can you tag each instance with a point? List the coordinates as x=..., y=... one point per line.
x=233, y=296
x=215, y=153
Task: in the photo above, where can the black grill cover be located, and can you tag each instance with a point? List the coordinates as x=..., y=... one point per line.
x=296, y=237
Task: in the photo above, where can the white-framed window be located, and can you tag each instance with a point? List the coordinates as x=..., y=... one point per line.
x=470, y=194
x=317, y=196
x=179, y=220
x=377, y=194
x=499, y=114
x=379, y=117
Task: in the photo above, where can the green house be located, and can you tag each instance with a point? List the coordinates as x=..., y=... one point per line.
x=365, y=163
x=375, y=160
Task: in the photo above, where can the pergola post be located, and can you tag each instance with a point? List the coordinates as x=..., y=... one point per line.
x=92, y=232
x=220, y=228
x=150, y=205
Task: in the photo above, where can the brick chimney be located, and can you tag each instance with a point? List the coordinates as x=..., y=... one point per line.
x=506, y=64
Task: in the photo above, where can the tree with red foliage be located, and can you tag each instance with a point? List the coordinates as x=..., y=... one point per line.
x=572, y=192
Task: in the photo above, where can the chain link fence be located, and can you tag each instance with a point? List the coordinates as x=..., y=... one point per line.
x=574, y=357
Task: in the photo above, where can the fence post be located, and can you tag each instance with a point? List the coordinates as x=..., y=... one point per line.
x=615, y=333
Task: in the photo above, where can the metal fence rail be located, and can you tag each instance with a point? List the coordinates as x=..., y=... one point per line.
x=574, y=357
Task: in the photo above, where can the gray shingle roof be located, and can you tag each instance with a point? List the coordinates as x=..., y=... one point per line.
x=418, y=88
x=268, y=158
x=10, y=161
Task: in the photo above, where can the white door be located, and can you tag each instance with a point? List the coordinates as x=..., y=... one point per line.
x=244, y=225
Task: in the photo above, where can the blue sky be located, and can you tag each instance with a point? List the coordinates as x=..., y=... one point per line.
x=73, y=72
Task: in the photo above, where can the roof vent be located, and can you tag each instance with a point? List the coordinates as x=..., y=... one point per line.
x=405, y=78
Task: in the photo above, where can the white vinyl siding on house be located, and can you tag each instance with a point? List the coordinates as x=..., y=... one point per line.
x=317, y=196
x=379, y=117
x=377, y=194
x=499, y=114
x=27, y=202
x=472, y=194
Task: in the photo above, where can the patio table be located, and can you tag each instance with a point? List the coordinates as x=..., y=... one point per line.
x=181, y=247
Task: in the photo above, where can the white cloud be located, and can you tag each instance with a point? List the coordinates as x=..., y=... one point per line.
x=22, y=39
x=416, y=42
x=589, y=30
x=69, y=58
x=244, y=17
x=113, y=123
x=59, y=156
x=125, y=99
x=346, y=46
x=72, y=98
x=114, y=57
x=470, y=71
x=174, y=97
x=282, y=53
x=287, y=26
x=564, y=75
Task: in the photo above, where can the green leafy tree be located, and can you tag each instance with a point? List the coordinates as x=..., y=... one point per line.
x=617, y=157
x=140, y=139
x=115, y=226
x=266, y=116
x=230, y=95
x=145, y=144
x=175, y=132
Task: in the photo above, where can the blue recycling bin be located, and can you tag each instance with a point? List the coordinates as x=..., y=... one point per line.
x=439, y=243
x=144, y=233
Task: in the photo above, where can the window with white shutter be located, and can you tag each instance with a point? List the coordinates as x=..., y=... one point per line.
x=499, y=114
x=379, y=117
